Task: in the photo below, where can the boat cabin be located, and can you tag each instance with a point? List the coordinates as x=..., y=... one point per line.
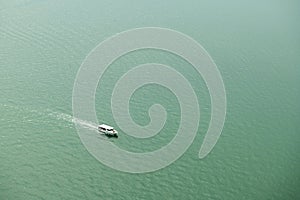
x=107, y=130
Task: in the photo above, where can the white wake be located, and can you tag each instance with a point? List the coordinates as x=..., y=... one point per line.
x=71, y=119
x=54, y=115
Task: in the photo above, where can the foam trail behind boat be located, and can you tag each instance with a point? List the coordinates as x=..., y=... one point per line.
x=84, y=123
x=55, y=115
x=70, y=118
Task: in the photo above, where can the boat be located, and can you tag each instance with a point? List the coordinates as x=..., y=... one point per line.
x=108, y=130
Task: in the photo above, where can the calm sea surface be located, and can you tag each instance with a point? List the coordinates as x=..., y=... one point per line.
x=256, y=46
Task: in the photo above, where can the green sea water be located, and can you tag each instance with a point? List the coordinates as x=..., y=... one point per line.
x=256, y=46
